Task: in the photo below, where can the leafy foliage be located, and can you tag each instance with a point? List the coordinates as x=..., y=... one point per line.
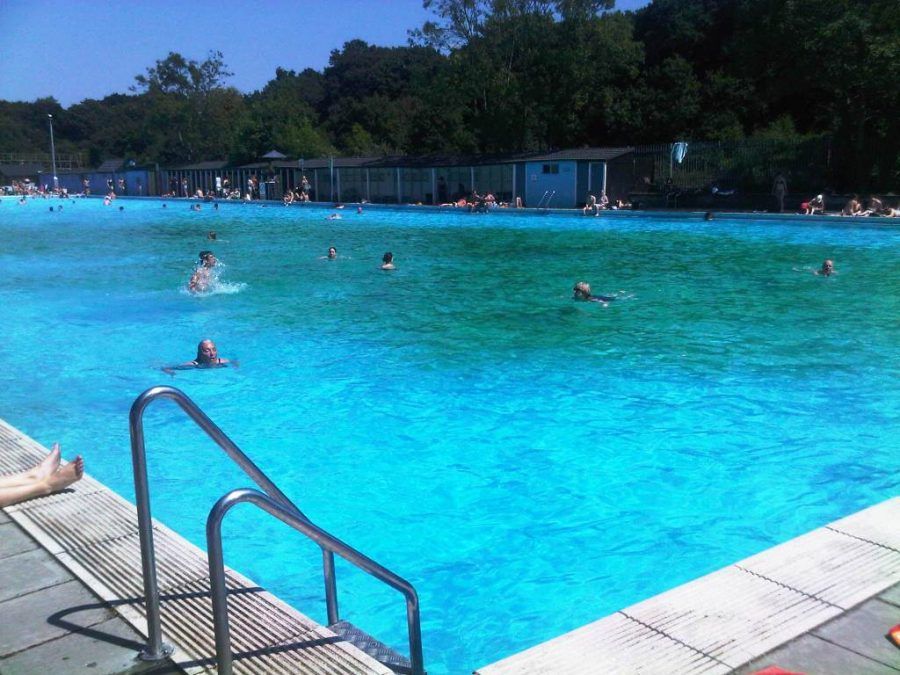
x=514, y=75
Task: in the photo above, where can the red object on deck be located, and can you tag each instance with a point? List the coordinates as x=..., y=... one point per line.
x=775, y=670
x=894, y=635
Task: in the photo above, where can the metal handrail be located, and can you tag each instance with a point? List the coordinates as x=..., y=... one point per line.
x=541, y=200
x=550, y=199
x=156, y=650
x=325, y=541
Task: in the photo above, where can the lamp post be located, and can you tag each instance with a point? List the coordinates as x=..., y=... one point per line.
x=53, y=154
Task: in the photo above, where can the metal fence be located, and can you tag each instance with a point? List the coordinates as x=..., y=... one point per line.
x=64, y=161
x=745, y=166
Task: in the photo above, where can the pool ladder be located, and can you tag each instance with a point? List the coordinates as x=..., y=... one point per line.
x=276, y=504
x=548, y=195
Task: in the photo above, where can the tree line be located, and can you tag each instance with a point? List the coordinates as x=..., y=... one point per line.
x=486, y=76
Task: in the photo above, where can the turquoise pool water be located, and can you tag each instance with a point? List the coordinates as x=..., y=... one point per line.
x=529, y=463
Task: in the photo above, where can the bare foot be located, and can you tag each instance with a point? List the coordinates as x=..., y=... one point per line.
x=66, y=475
x=48, y=465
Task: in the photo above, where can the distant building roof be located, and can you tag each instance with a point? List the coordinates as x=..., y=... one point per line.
x=424, y=161
x=597, y=154
x=110, y=165
x=21, y=170
x=201, y=166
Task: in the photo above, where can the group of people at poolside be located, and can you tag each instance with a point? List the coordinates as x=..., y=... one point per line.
x=477, y=203
x=595, y=206
x=817, y=205
x=299, y=195
x=853, y=207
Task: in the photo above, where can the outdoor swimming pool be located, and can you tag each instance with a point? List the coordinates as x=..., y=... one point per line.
x=529, y=463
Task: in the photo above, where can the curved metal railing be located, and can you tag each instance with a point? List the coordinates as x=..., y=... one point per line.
x=155, y=649
x=325, y=540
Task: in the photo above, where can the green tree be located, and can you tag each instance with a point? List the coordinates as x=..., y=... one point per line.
x=186, y=96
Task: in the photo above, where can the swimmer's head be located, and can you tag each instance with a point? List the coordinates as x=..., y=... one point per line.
x=207, y=352
x=582, y=290
x=207, y=258
x=827, y=267
x=211, y=235
x=387, y=258
x=332, y=252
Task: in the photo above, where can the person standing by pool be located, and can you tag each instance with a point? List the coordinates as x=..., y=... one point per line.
x=779, y=189
x=387, y=261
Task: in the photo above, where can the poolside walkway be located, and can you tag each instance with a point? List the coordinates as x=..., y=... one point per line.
x=821, y=604
x=52, y=623
x=72, y=593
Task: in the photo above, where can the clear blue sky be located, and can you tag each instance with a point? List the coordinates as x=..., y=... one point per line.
x=78, y=49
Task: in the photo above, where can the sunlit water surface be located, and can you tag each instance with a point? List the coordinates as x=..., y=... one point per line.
x=529, y=463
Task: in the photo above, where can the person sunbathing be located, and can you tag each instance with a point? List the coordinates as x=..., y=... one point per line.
x=42, y=479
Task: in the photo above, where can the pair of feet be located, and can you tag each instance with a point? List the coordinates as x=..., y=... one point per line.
x=48, y=473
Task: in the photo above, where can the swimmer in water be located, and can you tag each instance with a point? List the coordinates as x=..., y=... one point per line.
x=200, y=279
x=334, y=216
x=826, y=270
x=387, y=261
x=207, y=357
x=332, y=253
x=212, y=235
x=582, y=291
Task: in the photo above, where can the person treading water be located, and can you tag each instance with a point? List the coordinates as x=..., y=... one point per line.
x=207, y=357
x=582, y=291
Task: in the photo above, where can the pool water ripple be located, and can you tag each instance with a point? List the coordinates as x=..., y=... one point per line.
x=528, y=462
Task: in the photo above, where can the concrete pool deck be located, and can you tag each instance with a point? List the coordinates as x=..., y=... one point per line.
x=96, y=624
x=820, y=603
x=71, y=602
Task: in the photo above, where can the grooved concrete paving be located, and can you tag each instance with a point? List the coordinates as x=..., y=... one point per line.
x=51, y=623
x=90, y=532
